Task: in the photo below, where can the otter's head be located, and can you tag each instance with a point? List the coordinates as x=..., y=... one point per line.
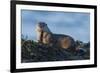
x=41, y=26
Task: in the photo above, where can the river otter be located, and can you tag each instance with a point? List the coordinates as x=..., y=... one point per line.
x=45, y=36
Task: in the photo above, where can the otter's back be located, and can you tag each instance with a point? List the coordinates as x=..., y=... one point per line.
x=64, y=40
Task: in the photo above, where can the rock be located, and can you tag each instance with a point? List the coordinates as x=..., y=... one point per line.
x=33, y=52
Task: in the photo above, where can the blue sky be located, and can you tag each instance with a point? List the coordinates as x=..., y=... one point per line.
x=75, y=24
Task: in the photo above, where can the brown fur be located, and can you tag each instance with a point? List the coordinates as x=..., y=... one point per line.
x=47, y=37
x=65, y=42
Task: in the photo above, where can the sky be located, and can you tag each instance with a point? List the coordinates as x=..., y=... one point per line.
x=74, y=24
